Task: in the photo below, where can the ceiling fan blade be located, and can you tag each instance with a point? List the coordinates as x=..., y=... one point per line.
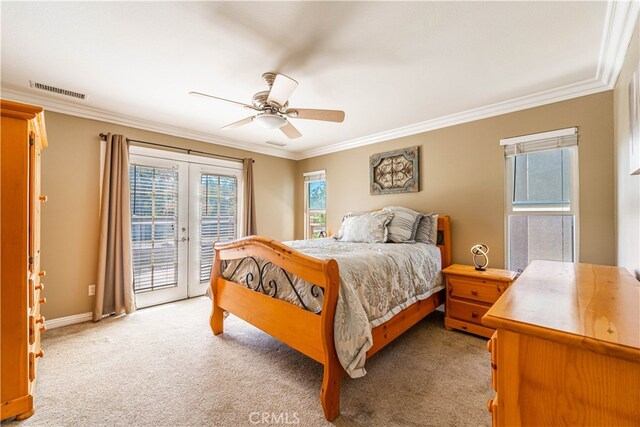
x=204, y=95
x=290, y=131
x=281, y=89
x=311, y=114
x=238, y=123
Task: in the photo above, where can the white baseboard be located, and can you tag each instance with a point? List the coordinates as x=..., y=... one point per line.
x=69, y=320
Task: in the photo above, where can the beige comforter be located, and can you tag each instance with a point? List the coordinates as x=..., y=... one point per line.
x=377, y=281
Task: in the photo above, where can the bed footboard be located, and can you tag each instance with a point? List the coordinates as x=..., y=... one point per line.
x=308, y=332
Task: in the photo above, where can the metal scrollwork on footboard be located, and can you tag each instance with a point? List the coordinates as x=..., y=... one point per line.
x=265, y=285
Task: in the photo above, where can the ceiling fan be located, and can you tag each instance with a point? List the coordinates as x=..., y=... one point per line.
x=273, y=107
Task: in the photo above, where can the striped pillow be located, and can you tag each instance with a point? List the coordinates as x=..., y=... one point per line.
x=427, y=231
x=403, y=225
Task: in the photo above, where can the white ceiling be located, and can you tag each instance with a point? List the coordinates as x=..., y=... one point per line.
x=394, y=68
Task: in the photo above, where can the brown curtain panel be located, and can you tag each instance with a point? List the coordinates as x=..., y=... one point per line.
x=114, y=286
x=249, y=201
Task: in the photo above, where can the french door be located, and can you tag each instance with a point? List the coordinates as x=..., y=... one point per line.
x=179, y=209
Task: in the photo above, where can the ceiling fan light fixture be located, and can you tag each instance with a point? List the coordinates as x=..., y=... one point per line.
x=270, y=121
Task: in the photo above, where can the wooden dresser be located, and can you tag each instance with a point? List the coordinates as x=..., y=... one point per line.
x=23, y=138
x=470, y=293
x=567, y=347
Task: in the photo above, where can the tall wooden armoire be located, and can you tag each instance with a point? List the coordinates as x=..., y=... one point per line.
x=23, y=138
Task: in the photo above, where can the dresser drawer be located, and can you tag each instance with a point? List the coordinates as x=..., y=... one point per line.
x=466, y=311
x=476, y=289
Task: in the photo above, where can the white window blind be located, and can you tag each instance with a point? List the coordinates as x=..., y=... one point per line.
x=314, y=176
x=154, y=201
x=218, y=216
x=540, y=142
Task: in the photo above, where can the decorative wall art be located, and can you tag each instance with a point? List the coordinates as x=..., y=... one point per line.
x=634, y=123
x=394, y=171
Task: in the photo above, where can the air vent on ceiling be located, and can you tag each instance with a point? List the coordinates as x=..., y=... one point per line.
x=57, y=90
x=277, y=143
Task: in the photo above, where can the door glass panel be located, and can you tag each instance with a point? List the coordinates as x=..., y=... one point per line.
x=154, y=227
x=218, y=216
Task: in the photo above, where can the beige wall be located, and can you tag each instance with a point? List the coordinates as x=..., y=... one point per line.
x=70, y=175
x=627, y=186
x=462, y=175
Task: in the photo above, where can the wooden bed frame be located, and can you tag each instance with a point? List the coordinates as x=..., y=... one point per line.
x=308, y=332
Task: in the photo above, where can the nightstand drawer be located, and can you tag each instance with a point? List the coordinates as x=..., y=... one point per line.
x=476, y=289
x=466, y=311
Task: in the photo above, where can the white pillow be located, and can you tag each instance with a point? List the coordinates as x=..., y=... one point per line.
x=427, y=231
x=403, y=225
x=349, y=214
x=370, y=227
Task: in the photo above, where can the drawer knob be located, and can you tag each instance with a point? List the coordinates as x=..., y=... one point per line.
x=43, y=328
x=43, y=198
x=490, y=405
x=43, y=300
x=40, y=354
x=474, y=314
x=474, y=292
x=42, y=273
x=490, y=346
x=40, y=320
x=40, y=286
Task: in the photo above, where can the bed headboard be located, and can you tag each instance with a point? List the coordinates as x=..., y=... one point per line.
x=444, y=239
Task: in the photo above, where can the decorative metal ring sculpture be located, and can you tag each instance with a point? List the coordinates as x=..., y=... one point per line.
x=480, y=258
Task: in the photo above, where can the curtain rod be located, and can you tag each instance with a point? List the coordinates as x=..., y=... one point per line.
x=103, y=137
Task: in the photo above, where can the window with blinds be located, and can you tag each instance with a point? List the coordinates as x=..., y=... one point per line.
x=218, y=216
x=541, y=197
x=154, y=223
x=315, y=204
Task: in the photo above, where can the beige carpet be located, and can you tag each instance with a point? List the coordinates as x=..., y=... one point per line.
x=162, y=367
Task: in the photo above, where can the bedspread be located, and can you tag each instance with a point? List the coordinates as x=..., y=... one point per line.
x=377, y=281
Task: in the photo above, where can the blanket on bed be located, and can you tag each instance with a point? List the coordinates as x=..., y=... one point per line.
x=377, y=281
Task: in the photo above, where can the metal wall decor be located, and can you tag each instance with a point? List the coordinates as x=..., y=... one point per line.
x=394, y=171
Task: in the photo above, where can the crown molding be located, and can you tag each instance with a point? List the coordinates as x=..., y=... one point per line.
x=586, y=87
x=71, y=108
x=620, y=21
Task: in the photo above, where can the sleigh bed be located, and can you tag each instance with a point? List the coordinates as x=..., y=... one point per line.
x=248, y=273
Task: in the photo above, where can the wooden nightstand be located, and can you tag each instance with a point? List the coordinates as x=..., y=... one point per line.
x=470, y=293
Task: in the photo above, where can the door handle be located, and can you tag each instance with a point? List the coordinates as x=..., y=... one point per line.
x=184, y=239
